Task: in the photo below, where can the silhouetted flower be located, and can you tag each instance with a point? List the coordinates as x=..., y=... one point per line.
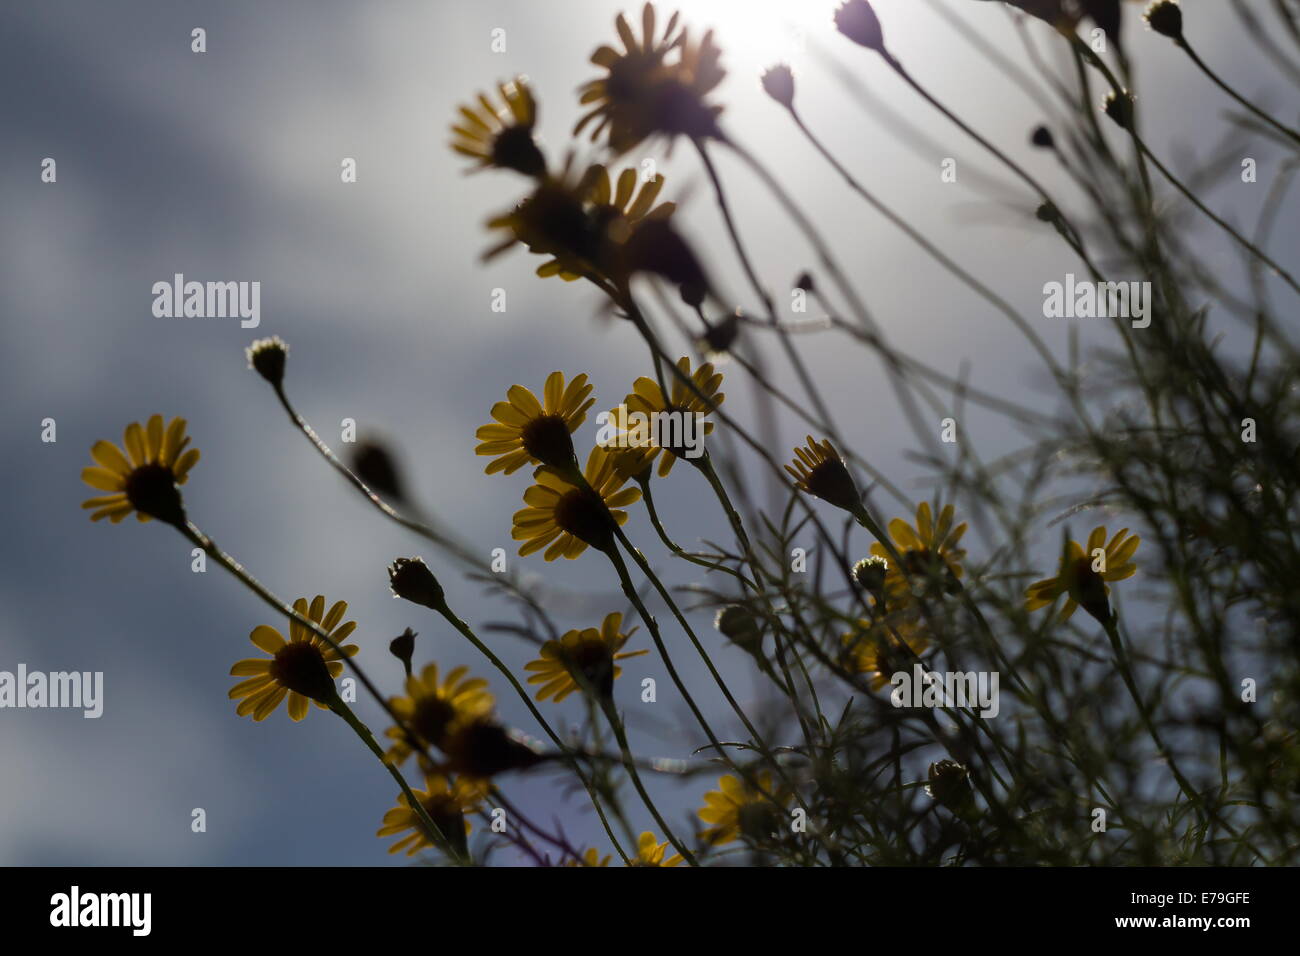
x=302, y=668
x=1085, y=586
x=146, y=481
x=501, y=137
x=528, y=431
x=566, y=518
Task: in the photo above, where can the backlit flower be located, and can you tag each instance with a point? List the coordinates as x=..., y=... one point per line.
x=673, y=422
x=501, y=136
x=655, y=85
x=930, y=551
x=447, y=801
x=433, y=705
x=145, y=479
x=565, y=518
x=527, y=431
x=880, y=648
x=590, y=857
x=650, y=852
x=1085, y=572
x=818, y=470
x=736, y=809
x=303, y=668
x=589, y=653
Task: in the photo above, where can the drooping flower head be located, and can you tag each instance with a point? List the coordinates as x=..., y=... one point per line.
x=582, y=656
x=656, y=85
x=1085, y=573
x=527, y=431
x=447, y=801
x=433, y=706
x=145, y=479
x=303, y=668
x=818, y=470
x=565, y=518
x=501, y=137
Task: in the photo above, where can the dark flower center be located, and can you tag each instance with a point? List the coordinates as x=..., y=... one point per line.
x=583, y=514
x=513, y=148
x=594, y=661
x=546, y=438
x=448, y=816
x=300, y=667
x=151, y=489
x=483, y=749
x=432, y=716
x=830, y=480
x=553, y=221
x=757, y=820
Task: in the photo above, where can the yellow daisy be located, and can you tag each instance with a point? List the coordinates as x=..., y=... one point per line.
x=481, y=748
x=447, y=801
x=678, y=414
x=930, y=551
x=302, y=668
x=565, y=518
x=433, y=706
x=736, y=810
x=873, y=647
x=554, y=220
x=818, y=470
x=590, y=653
x=650, y=852
x=144, y=479
x=590, y=857
x=527, y=431
x=501, y=137
x=655, y=85
x=1083, y=576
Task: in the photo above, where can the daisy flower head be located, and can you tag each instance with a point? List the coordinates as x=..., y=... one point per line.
x=434, y=704
x=565, y=517
x=1085, y=574
x=650, y=852
x=146, y=478
x=481, y=748
x=448, y=802
x=590, y=857
x=553, y=221
x=501, y=137
x=885, y=646
x=582, y=656
x=930, y=551
x=818, y=470
x=655, y=85
x=736, y=809
x=528, y=431
x=302, y=668
x=650, y=418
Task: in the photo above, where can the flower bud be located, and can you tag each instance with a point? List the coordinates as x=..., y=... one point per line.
x=858, y=21
x=410, y=578
x=778, y=83
x=267, y=357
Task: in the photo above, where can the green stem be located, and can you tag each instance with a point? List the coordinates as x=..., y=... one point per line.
x=431, y=829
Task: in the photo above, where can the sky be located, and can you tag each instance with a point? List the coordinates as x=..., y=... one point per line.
x=225, y=165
